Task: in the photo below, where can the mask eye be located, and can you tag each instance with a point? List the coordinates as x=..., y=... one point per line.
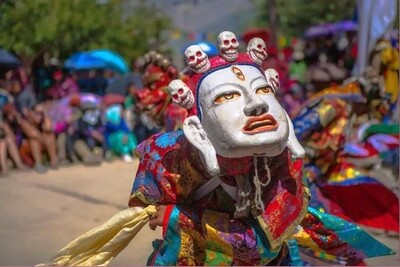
x=226, y=97
x=265, y=90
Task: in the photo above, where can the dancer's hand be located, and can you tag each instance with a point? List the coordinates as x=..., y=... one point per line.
x=157, y=218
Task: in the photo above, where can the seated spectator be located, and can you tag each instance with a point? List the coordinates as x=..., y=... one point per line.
x=8, y=144
x=86, y=134
x=24, y=97
x=5, y=96
x=322, y=73
x=63, y=86
x=16, y=128
x=117, y=134
x=65, y=144
x=41, y=138
x=3, y=151
x=131, y=112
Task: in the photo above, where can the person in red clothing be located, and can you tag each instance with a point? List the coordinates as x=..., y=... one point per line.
x=63, y=86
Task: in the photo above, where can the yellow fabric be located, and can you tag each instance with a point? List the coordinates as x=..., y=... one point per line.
x=390, y=61
x=305, y=240
x=345, y=174
x=102, y=244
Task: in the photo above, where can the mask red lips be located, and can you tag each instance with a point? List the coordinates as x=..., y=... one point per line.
x=259, y=124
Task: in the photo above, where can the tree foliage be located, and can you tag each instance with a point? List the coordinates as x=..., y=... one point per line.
x=295, y=16
x=31, y=27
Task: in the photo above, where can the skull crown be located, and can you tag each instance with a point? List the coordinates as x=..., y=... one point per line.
x=228, y=46
x=257, y=50
x=273, y=78
x=181, y=94
x=197, y=59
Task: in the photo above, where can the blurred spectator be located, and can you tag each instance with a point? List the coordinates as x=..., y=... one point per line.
x=292, y=101
x=26, y=136
x=5, y=96
x=88, y=134
x=24, y=97
x=42, y=75
x=117, y=134
x=92, y=81
x=322, y=73
x=110, y=78
x=330, y=49
x=63, y=86
x=8, y=144
x=121, y=84
x=66, y=140
x=41, y=138
x=298, y=67
x=131, y=112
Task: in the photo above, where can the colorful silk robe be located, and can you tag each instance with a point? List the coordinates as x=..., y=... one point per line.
x=203, y=231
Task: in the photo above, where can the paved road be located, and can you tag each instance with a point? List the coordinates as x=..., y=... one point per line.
x=42, y=213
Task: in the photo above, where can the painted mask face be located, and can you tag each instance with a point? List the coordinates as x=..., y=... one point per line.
x=240, y=113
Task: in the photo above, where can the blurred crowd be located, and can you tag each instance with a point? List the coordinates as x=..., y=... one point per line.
x=57, y=117
x=309, y=66
x=54, y=116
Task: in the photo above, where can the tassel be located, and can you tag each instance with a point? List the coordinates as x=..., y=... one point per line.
x=258, y=184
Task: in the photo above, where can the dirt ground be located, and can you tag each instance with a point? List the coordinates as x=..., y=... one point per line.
x=42, y=213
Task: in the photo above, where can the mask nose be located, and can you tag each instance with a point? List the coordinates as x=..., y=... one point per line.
x=255, y=106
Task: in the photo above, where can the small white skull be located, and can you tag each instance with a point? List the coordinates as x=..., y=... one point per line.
x=181, y=94
x=197, y=59
x=273, y=78
x=228, y=46
x=257, y=50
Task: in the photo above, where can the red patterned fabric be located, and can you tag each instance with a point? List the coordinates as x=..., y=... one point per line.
x=235, y=166
x=170, y=171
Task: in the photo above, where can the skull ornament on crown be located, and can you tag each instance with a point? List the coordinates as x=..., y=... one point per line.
x=257, y=50
x=181, y=94
x=228, y=46
x=197, y=59
x=273, y=78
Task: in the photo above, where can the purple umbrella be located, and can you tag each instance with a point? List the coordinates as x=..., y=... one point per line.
x=345, y=26
x=330, y=28
x=319, y=30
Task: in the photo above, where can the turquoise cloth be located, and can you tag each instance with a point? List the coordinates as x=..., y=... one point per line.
x=353, y=235
x=122, y=143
